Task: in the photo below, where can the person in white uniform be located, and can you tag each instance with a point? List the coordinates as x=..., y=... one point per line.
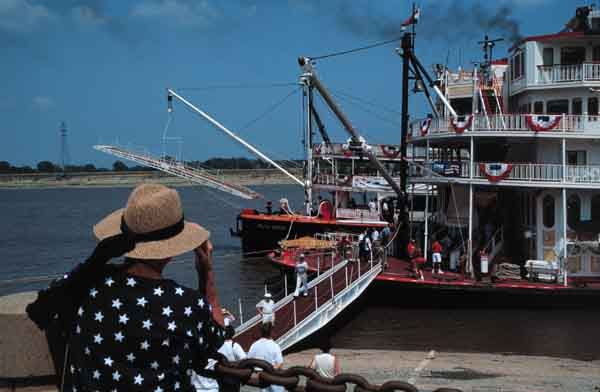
x=268, y=350
x=325, y=363
x=266, y=308
x=233, y=352
x=301, y=276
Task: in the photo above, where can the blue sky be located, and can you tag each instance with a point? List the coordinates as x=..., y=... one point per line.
x=103, y=66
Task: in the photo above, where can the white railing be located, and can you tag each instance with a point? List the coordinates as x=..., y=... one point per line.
x=531, y=172
x=510, y=123
x=548, y=74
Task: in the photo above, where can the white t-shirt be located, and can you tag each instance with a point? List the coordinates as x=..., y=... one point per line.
x=375, y=235
x=205, y=384
x=267, y=350
x=372, y=206
x=302, y=268
x=232, y=351
x=267, y=306
x=325, y=365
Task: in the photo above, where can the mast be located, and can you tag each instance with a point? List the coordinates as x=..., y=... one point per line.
x=357, y=140
x=308, y=147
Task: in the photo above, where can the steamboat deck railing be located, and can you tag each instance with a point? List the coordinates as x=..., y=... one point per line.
x=550, y=74
x=529, y=172
x=506, y=123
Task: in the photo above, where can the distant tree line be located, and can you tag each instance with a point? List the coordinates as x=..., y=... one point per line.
x=212, y=163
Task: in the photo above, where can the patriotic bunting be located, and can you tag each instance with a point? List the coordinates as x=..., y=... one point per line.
x=461, y=123
x=541, y=123
x=425, y=124
x=495, y=172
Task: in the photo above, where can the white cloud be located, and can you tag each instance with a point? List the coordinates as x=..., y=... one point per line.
x=198, y=14
x=20, y=16
x=42, y=102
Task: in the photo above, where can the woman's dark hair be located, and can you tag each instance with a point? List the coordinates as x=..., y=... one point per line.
x=229, y=332
x=325, y=345
x=265, y=330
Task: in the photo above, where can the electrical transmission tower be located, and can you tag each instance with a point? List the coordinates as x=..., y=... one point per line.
x=64, y=149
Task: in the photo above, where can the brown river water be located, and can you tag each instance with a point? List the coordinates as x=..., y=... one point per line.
x=47, y=231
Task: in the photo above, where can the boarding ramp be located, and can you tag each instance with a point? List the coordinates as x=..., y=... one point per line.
x=181, y=170
x=337, y=284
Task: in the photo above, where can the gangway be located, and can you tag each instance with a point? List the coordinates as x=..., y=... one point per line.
x=339, y=282
x=181, y=170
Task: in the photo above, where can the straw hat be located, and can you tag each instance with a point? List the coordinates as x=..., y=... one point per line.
x=154, y=217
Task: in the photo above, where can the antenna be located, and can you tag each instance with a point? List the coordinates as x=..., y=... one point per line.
x=64, y=148
x=488, y=46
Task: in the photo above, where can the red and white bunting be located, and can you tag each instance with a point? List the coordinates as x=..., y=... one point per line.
x=390, y=151
x=495, y=172
x=461, y=123
x=541, y=123
x=425, y=124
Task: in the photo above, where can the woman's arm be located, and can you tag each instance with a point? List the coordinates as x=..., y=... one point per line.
x=206, y=279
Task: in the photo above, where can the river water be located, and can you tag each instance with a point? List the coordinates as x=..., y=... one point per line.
x=47, y=231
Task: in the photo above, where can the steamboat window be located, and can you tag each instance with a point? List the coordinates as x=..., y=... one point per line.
x=557, y=106
x=577, y=158
x=548, y=55
x=573, y=210
x=538, y=107
x=593, y=106
x=596, y=208
x=572, y=55
x=576, y=106
x=596, y=54
x=548, y=211
x=518, y=65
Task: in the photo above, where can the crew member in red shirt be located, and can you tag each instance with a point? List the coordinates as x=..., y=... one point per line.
x=436, y=257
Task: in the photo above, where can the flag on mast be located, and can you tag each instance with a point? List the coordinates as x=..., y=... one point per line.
x=414, y=18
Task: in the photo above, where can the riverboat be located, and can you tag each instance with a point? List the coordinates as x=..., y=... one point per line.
x=512, y=174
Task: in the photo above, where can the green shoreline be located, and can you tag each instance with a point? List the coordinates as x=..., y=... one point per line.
x=130, y=179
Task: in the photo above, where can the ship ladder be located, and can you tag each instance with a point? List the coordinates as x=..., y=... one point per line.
x=330, y=293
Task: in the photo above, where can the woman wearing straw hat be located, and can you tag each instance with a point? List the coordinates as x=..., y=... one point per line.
x=128, y=327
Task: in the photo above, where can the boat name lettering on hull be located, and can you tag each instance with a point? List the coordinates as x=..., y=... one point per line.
x=271, y=227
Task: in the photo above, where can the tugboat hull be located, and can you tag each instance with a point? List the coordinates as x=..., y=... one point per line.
x=260, y=233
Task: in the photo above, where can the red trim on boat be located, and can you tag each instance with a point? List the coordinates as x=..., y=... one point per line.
x=308, y=219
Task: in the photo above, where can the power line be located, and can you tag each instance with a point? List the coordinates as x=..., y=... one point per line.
x=237, y=86
x=334, y=54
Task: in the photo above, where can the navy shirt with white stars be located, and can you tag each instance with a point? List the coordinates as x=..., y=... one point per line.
x=134, y=333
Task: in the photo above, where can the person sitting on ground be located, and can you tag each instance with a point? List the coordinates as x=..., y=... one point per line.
x=125, y=323
x=436, y=256
x=268, y=350
x=266, y=309
x=301, y=276
x=325, y=364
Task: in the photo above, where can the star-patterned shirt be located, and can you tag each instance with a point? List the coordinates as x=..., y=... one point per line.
x=134, y=333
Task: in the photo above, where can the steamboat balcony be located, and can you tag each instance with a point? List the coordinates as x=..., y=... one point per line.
x=506, y=125
x=576, y=74
x=520, y=174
